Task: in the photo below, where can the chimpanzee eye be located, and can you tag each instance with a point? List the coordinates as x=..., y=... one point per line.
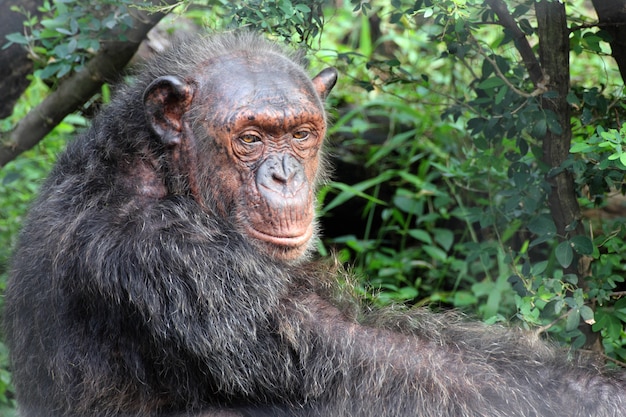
x=250, y=138
x=301, y=135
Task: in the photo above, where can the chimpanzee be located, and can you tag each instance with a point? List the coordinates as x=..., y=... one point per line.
x=163, y=271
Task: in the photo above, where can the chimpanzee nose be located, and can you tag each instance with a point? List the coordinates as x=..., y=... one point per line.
x=284, y=169
x=281, y=173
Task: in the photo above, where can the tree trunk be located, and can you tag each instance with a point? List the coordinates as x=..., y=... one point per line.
x=14, y=62
x=612, y=15
x=554, y=58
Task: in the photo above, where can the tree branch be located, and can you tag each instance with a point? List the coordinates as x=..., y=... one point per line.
x=519, y=38
x=78, y=89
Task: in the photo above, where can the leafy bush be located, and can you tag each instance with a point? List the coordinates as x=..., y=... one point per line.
x=460, y=186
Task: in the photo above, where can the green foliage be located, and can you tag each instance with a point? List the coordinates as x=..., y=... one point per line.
x=294, y=21
x=7, y=405
x=603, y=154
x=600, y=169
x=462, y=199
x=70, y=32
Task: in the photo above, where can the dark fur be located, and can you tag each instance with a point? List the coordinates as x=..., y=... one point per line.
x=151, y=305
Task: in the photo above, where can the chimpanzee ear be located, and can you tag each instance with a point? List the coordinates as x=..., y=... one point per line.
x=325, y=81
x=165, y=101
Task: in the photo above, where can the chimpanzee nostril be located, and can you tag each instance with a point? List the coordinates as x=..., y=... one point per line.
x=280, y=175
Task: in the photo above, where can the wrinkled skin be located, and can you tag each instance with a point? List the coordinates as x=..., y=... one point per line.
x=163, y=272
x=268, y=131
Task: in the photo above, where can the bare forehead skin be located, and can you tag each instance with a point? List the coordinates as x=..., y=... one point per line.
x=267, y=86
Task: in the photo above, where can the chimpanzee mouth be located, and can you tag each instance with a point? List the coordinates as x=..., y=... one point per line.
x=287, y=241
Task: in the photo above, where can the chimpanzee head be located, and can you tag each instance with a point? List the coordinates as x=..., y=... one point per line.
x=245, y=131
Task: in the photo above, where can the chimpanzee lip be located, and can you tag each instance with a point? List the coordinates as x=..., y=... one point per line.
x=283, y=240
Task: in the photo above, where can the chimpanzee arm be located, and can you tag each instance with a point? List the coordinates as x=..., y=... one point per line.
x=445, y=366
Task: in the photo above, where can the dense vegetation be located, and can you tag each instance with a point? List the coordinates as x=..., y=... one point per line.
x=448, y=191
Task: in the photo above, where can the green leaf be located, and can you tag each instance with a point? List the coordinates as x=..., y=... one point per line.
x=303, y=8
x=17, y=38
x=587, y=314
x=420, y=235
x=592, y=41
x=542, y=225
x=571, y=278
x=582, y=244
x=573, y=99
x=408, y=204
x=491, y=83
x=501, y=94
x=581, y=147
x=573, y=320
x=518, y=285
x=391, y=146
x=64, y=31
x=435, y=253
x=464, y=298
x=539, y=267
x=407, y=293
x=357, y=190
x=611, y=324
x=540, y=128
x=564, y=254
x=444, y=237
x=53, y=23
x=63, y=69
